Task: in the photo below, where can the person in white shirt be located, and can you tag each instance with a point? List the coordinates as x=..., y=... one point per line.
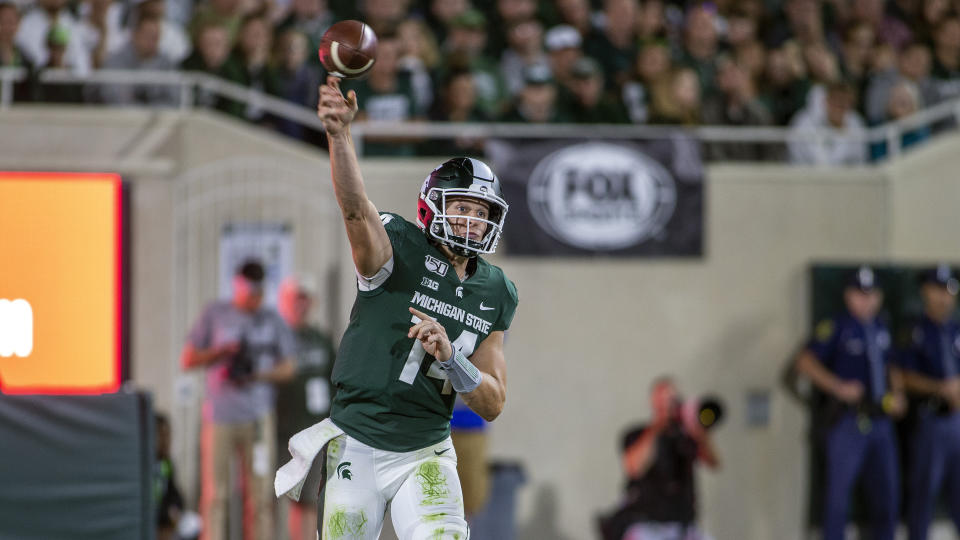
x=844, y=132
x=35, y=26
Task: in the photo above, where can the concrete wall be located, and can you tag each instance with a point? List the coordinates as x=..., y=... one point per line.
x=590, y=334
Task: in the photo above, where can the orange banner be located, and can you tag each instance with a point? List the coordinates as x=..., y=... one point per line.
x=60, y=283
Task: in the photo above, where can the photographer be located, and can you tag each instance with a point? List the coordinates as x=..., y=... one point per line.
x=245, y=349
x=658, y=460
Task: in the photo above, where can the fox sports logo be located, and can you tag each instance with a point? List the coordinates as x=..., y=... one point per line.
x=600, y=196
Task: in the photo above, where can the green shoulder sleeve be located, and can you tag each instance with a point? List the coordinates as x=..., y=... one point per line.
x=511, y=299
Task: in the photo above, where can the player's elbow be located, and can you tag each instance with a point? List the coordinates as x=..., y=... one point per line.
x=492, y=414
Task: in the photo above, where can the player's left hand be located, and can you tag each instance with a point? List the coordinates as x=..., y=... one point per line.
x=432, y=336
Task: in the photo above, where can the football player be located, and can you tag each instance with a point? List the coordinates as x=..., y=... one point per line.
x=427, y=324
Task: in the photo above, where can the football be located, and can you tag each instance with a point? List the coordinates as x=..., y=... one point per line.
x=348, y=49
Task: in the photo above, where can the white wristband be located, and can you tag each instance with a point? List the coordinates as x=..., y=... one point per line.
x=463, y=375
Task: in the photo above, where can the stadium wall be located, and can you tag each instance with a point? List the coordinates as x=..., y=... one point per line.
x=590, y=334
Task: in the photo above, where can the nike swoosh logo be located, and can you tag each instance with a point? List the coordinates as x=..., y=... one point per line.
x=440, y=452
x=485, y=308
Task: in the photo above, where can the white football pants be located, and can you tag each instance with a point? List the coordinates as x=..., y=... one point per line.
x=421, y=487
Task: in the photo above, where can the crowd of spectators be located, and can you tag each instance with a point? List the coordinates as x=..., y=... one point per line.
x=840, y=64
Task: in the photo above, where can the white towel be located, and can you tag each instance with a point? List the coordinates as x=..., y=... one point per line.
x=304, y=447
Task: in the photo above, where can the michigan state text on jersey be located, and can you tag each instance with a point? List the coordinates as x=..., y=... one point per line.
x=427, y=324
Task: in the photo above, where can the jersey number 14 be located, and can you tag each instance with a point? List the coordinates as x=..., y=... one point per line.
x=465, y=343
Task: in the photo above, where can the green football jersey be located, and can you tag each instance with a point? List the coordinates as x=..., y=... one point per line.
x=390, y=394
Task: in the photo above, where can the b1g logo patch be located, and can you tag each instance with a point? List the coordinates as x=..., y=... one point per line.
x=435, y=265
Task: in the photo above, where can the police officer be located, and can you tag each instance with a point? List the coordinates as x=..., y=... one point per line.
x=849, y=360
x=932, y=371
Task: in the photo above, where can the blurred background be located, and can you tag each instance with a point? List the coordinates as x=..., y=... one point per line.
x=687, y=183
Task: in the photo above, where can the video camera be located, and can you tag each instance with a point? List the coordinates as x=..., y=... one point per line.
x=240, y=365
x=708, y=410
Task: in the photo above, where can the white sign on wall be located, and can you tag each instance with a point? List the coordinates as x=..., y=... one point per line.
x=272, y=243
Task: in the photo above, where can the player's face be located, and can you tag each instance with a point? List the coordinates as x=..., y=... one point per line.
x=471, y=229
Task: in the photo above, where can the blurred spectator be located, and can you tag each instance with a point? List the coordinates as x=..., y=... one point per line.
x=537, y=102
x=58, y=47
x=311, y=18
x=830, y=135
x=888, y=29
x=700, y=45
x=247, y=64
x=651, y=23
x=576, y=13
x=209, y=56
x=525, y=40
x=441, y=13
x=387, y=95
x=457, y=103
x=587, y=102
x=613, y=44
x=946, y=57
x=506, y=14
x=383, y=16
x=931, y=13
x=563, y=45
x=801, y=21
x=913, y=65
x=33, y=36
x=652, y=63
x=174, y=42
x=419, y=56
x=675, y=98
x=822, y=71
x=785, y=85
x=465, y=47
x=856, y=55
x=305, y=400
x=226, y=13
x=658, y=459
x=143, y=54
x=101, y=25
x=245, y=350
x=752, y=56
x=166, y=494
x=291, y=78
x=737, y=104
x=904, y=100
x=11, y=55
x=741, y=28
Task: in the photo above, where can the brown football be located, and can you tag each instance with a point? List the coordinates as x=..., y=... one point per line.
x=348, y=49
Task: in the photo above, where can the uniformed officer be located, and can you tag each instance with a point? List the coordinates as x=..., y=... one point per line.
x=849, y=360
x=932, y=371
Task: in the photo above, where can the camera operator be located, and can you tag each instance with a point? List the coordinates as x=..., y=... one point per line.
x=245, y=350
x=658, y=460
x=849, y=360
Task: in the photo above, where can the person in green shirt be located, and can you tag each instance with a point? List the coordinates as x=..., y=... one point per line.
x=427, y=325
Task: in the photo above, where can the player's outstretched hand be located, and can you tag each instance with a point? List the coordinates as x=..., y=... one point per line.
x=334, y=110
x=432, y=336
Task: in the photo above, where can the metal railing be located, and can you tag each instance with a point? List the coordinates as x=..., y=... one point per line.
x=188, y=82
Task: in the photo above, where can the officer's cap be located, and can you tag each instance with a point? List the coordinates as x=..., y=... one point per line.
x=862, y=278
x=941, y=275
